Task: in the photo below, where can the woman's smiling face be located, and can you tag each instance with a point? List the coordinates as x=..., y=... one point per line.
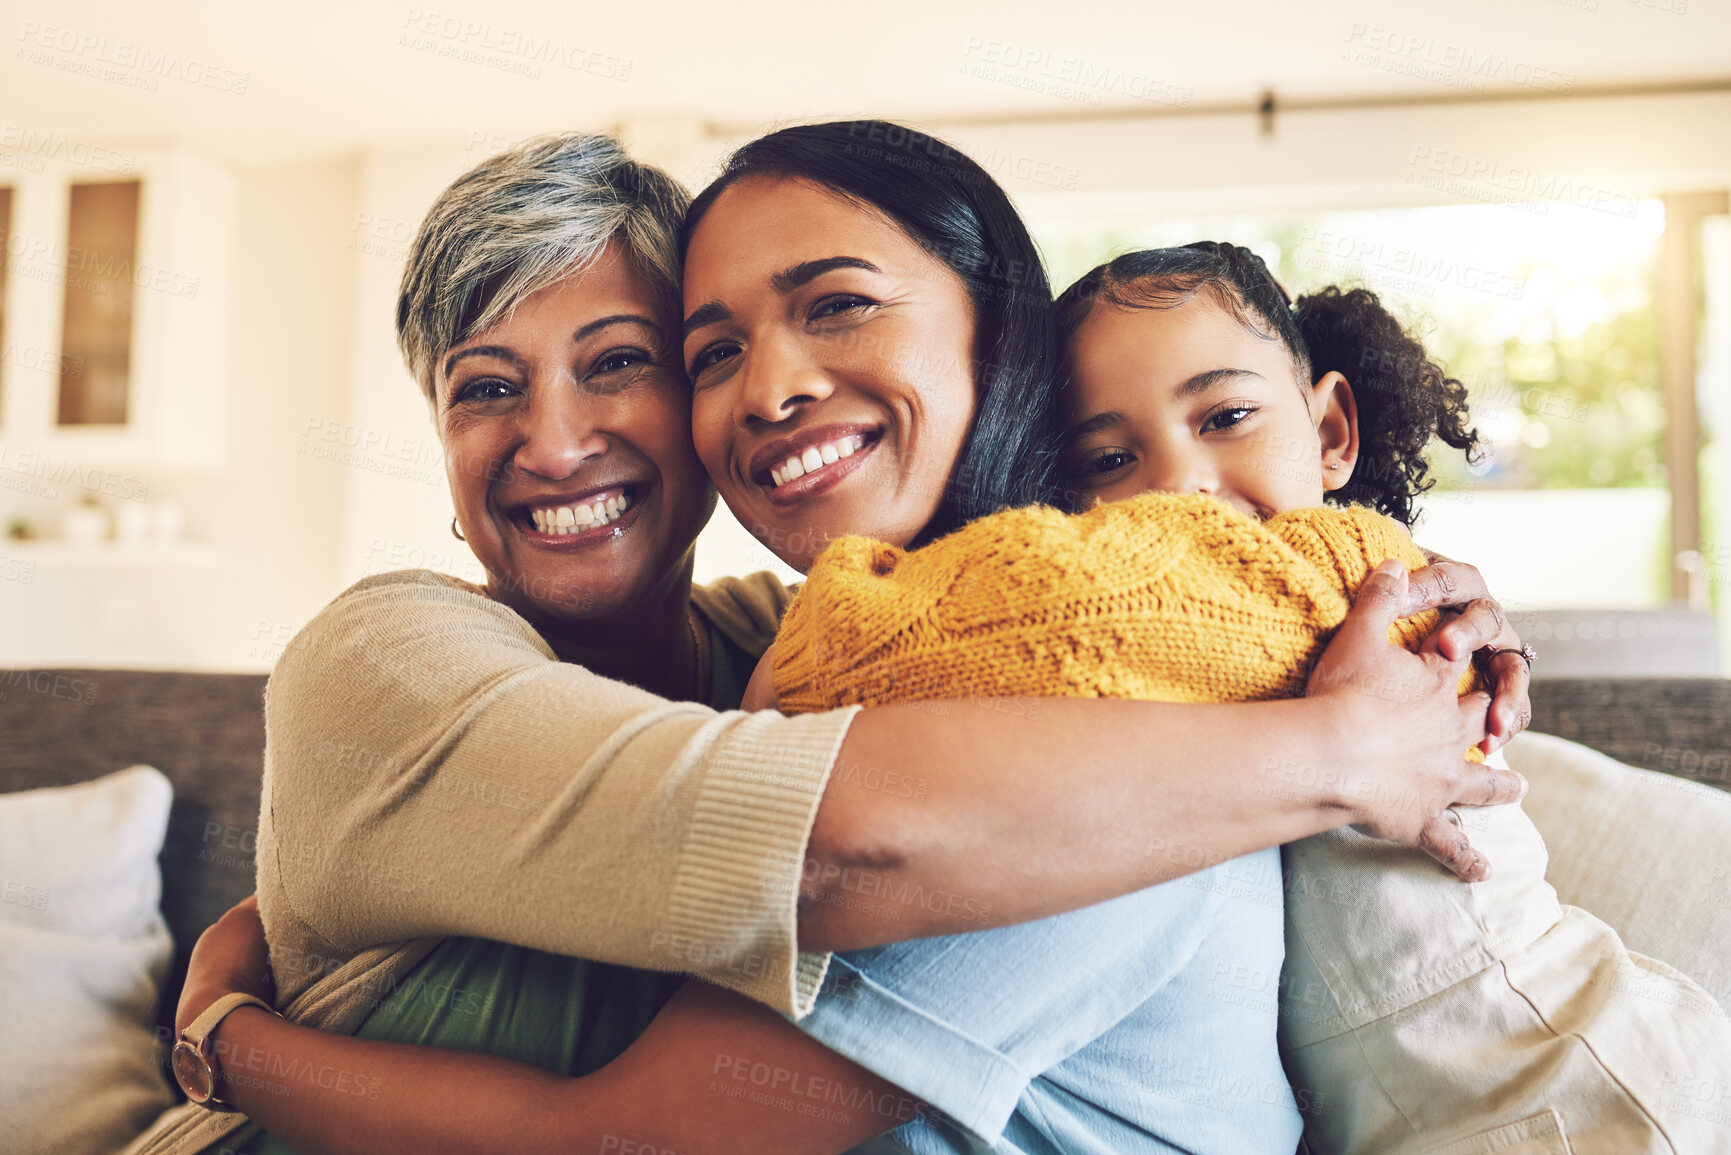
x=831, y=361
x=566, y=436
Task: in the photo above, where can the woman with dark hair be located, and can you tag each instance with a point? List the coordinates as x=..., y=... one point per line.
x=908, y=348
x=955, y=211
x=860, y=318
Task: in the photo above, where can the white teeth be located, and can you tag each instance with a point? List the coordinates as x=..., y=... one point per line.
x=563, y=520
x=814, y=458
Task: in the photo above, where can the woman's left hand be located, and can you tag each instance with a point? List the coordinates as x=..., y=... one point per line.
x=1474, y=621
x=230, y=956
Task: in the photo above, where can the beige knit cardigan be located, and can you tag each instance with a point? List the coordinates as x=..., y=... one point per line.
x=433, y=768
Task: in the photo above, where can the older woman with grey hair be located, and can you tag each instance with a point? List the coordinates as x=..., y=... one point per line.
x=484, y=801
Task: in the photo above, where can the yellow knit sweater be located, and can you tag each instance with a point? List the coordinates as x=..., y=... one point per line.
x=1162, y=597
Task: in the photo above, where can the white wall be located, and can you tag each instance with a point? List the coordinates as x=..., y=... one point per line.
x=278, y=513
x=397, y=510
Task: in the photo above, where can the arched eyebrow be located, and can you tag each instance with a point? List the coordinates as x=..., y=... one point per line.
x=783, y=282
x=703, y=315
x=1211, y=379
x=601, y=323
x=1095, y=424
x=499, y=351
x=806, y=272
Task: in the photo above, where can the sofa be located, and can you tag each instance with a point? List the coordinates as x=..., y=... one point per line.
x=205, y=732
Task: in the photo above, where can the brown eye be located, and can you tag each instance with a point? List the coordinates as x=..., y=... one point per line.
x=615, y=360
x=1227, y=418
x=840, y=304
x=1103, y=465
x=485, y=389
x=709, y=357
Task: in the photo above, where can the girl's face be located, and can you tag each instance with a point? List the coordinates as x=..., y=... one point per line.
x=830, y=358
x=565, y=435
x=1189, y=400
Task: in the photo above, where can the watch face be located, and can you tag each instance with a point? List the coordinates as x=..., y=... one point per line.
x=192, y=1072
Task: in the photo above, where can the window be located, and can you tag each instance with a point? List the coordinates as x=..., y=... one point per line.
x=96, y=330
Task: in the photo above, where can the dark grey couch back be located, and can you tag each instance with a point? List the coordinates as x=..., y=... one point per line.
x=1680, y=726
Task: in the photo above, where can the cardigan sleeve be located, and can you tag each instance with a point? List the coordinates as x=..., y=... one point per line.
x=432, y=769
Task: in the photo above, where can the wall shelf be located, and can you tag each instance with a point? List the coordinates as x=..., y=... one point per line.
x=58, y=553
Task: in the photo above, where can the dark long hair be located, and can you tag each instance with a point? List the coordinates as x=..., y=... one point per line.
x=952, y=208
x=1404, y=399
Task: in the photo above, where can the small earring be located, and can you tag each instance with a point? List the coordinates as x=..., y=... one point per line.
x=1334, y=465
x=455, y=532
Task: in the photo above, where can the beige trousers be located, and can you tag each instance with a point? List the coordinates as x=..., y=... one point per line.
x=1421, y=1014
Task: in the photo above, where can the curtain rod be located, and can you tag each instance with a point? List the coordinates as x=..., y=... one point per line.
x=1268, y=105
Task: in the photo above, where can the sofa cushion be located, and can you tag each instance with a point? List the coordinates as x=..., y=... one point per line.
x=83, y=951
x=1647, y=852
x=204, y=731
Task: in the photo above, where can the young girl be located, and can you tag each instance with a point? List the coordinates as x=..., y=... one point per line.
x=1209, y=420
x=1287, y=407
x=1414, y=1012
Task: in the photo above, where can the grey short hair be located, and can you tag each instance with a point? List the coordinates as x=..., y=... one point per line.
x=526, y=219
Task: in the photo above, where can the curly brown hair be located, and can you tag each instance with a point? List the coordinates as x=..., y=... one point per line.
x=1404, y=399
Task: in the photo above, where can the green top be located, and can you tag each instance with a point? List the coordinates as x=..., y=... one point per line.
x=568, y=1015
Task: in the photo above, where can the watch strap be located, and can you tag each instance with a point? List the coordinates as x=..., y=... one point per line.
x=200, y=1028
x=193, y=1059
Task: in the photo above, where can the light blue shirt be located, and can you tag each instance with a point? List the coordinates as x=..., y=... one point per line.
x=1144, y=1024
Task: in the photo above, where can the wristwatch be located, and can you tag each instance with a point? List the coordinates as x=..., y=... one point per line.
x=194, y=1065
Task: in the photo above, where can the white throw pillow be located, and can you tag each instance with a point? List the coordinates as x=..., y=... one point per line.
x=83, y=952
x=1649, y=853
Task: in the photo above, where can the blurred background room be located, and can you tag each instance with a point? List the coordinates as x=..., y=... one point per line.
x=206, y=431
